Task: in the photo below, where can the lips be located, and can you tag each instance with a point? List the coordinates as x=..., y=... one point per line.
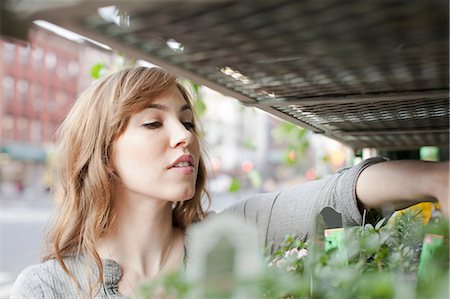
x=185, y=160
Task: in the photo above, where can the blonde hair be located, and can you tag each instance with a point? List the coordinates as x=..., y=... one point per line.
x=85, y=176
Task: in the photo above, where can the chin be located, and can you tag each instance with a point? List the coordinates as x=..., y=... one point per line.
x=184, y=195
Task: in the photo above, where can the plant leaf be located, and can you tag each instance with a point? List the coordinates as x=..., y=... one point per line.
x=380, y=224
x=96, y=70
x=234, y=186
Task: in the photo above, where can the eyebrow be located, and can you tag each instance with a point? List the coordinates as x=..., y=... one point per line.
x=164, y=108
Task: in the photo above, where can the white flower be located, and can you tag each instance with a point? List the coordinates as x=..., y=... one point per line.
x=303, y=252
x=296, y=253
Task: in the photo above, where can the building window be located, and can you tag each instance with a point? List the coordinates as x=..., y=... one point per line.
x=8, y=88
x=61, y=99
x=51, y=101
x=37, y=89
x=36, y=97
x=38, y=55
x=22, y=125
x=7, y=127
x=24, y=54
x=10, y=52
x=36, y=134
x=62, y=71
x=51, y=106
x=22, y=86
x=37, y=103
x=50, y=60
x=49, y=131
x=74, y=68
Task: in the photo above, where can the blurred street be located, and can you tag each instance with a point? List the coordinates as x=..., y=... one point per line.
x=22, y=223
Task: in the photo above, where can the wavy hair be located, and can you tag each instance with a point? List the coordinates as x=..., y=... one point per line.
x=85, y=177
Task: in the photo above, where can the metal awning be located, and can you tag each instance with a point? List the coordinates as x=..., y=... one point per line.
x=366, y=73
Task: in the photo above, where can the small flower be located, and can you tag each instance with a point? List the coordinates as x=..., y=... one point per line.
x=303, y=252
x=291, y=252
x=279, y=263
x=294, y=252
x=291, y=268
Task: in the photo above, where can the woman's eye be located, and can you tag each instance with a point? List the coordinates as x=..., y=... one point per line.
x=152, y=125
x=189, y=125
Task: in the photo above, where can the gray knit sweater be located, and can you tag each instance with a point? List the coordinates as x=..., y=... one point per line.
x=291, y=211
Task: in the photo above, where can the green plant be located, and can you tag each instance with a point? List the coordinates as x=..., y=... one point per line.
x=380, y=262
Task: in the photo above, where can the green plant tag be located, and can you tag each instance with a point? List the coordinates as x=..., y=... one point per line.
x=334, y=238
x=431, y=243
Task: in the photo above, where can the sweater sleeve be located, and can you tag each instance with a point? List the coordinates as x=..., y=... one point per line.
x=294, y=210
x=27, y=285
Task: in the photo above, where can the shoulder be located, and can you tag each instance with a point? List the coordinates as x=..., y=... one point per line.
x=29, y=284
x=45, y=280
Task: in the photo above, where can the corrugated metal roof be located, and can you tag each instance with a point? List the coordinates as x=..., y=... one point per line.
x=366, y=73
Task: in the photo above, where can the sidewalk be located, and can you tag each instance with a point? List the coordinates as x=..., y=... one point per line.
x=23, y=219
x=39, y=199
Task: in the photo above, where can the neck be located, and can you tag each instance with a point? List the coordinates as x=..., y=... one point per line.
x=143, y=238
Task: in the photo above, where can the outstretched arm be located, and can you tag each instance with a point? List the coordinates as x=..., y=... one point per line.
x=402, y=183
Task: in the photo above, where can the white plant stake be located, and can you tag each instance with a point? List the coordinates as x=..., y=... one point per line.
x=224, y=252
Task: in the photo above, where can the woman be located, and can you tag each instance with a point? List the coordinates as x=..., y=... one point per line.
x=131, y=179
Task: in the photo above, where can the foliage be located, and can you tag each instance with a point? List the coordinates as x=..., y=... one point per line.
x=234, y=186
x=97, y=70
x=199, y=104
x=379, y=261
x=295, y=139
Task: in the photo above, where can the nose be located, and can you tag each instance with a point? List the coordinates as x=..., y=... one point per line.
x=180, y=136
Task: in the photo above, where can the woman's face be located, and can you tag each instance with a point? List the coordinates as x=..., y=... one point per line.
x=157, y=156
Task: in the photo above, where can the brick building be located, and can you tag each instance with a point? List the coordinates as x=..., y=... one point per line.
x=39, y=82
